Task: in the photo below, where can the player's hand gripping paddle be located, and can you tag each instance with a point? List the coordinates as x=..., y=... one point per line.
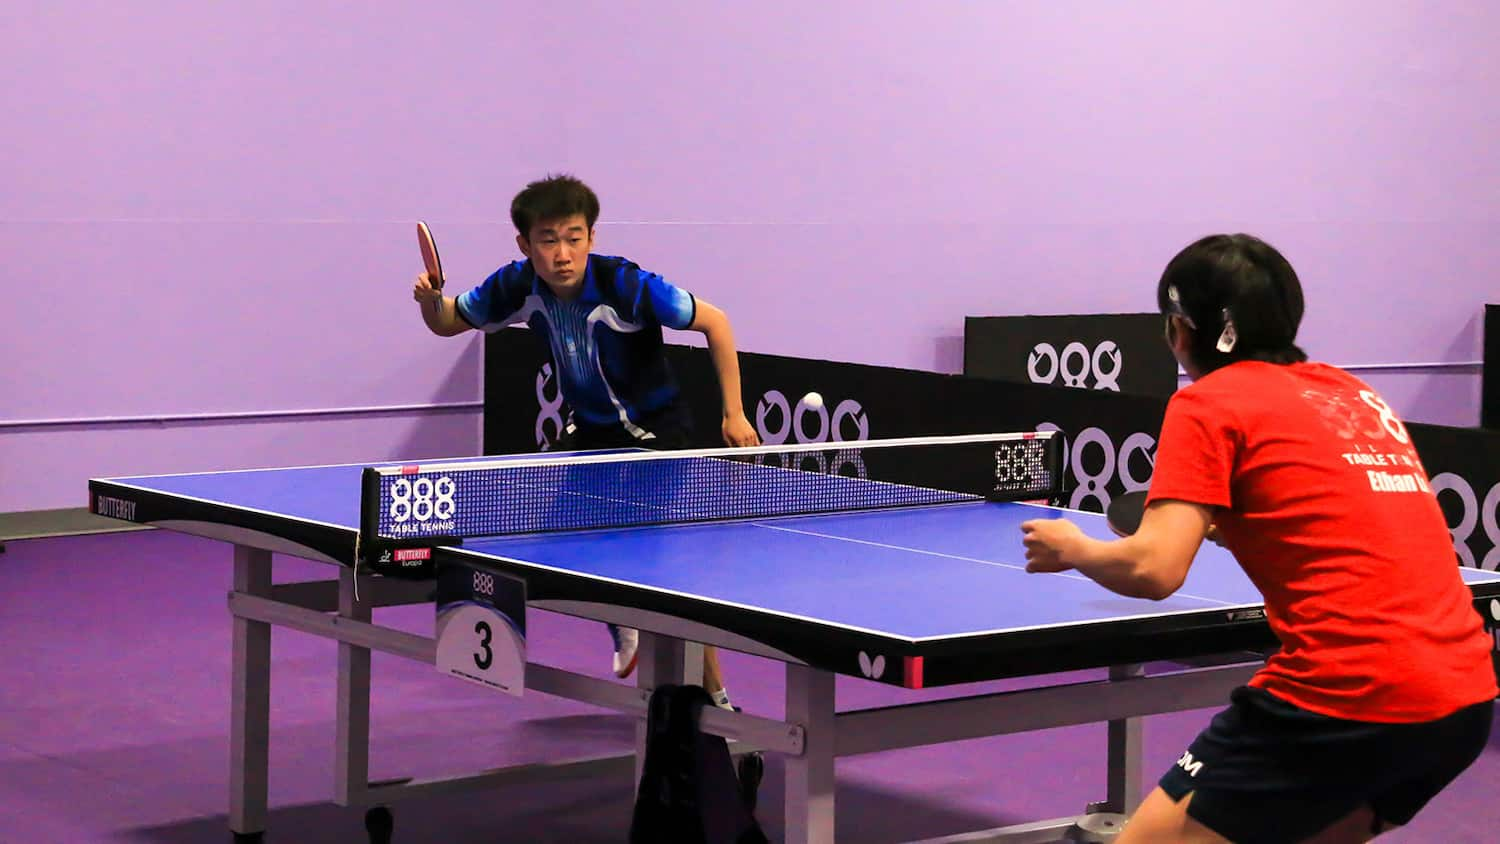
x=1125, y=511
x=430, y=256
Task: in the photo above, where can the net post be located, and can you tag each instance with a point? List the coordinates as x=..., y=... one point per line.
x=408, y=557
x=1054, y=457
x=1042, y=451
x=369, y=512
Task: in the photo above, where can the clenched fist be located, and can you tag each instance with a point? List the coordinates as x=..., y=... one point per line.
x=1052, y=545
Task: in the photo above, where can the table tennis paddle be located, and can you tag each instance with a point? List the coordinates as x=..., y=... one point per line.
x=430, y=256
x=1125, y=512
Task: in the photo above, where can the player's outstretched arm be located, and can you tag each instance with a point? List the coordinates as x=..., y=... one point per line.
x=439, y=312
x=1151, y=563
x=714, y=324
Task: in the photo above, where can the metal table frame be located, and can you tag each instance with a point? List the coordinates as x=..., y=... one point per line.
x=810, y=738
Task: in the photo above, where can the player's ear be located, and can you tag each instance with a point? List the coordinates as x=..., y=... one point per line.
x=1179, y=335
x=523, y=244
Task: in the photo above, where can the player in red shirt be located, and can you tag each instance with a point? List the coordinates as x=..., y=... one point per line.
x=1382, y=691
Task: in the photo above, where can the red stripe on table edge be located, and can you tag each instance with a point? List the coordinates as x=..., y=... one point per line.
x=913, y=678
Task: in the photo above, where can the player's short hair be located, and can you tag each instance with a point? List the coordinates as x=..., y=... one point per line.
x=1241, y=279
x=553, y=198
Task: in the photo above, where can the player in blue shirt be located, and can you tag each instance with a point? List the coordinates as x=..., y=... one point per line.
x=601, y=318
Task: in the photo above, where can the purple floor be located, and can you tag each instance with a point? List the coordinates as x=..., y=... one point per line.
x=114, y=680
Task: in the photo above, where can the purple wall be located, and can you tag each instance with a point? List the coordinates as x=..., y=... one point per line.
x=207, y=207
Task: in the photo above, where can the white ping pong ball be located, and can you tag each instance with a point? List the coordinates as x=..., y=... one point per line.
x=812, y=401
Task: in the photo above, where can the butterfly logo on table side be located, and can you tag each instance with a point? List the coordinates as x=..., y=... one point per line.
x=872, y=668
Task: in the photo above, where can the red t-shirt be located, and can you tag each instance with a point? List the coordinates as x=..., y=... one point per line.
x=1322, y=499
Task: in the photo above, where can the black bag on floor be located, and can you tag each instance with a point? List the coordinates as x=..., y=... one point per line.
x=689, y=793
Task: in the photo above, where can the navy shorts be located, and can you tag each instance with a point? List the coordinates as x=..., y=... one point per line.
x=1265, y=770
x=670, y=428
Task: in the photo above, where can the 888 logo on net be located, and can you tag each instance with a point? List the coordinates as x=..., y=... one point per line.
x=421, y=504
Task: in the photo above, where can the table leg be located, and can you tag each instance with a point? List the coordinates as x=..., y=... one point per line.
x=352, y=762
x=250, y=700
x=810, y=777
x=1125, y=742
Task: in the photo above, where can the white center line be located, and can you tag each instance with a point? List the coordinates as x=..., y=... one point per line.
x=997, y=564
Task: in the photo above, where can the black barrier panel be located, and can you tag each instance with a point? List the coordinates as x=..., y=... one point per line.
x=1117, y=352
x=1111, y=437
x=1463, y=465
x=1489, y=405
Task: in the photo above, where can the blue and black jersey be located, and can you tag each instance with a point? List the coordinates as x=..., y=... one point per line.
x=606, y=344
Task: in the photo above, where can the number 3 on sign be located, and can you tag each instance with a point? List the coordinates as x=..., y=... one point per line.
x=486, y=657
x=481, y=629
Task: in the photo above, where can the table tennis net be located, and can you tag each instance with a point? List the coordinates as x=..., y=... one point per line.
x=588, y=492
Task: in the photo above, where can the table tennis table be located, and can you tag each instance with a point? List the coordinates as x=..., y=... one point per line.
x=931, y=594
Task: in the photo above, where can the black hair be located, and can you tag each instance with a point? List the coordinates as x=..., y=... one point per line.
x=1238, y=279
x=553, y=198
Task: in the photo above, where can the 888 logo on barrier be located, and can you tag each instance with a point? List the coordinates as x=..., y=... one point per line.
x=1473, y=522
x=549, y=417
x=1076, y=364
x=1475, y=517
x=1096, y=462
x=779, y=421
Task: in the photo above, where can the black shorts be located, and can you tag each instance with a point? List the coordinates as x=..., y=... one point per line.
x=1267, y=771
x=668, y=428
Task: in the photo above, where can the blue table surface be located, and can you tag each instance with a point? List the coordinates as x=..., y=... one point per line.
x=940, y=571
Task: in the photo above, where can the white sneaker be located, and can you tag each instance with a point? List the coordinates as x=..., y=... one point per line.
x=627, y=641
